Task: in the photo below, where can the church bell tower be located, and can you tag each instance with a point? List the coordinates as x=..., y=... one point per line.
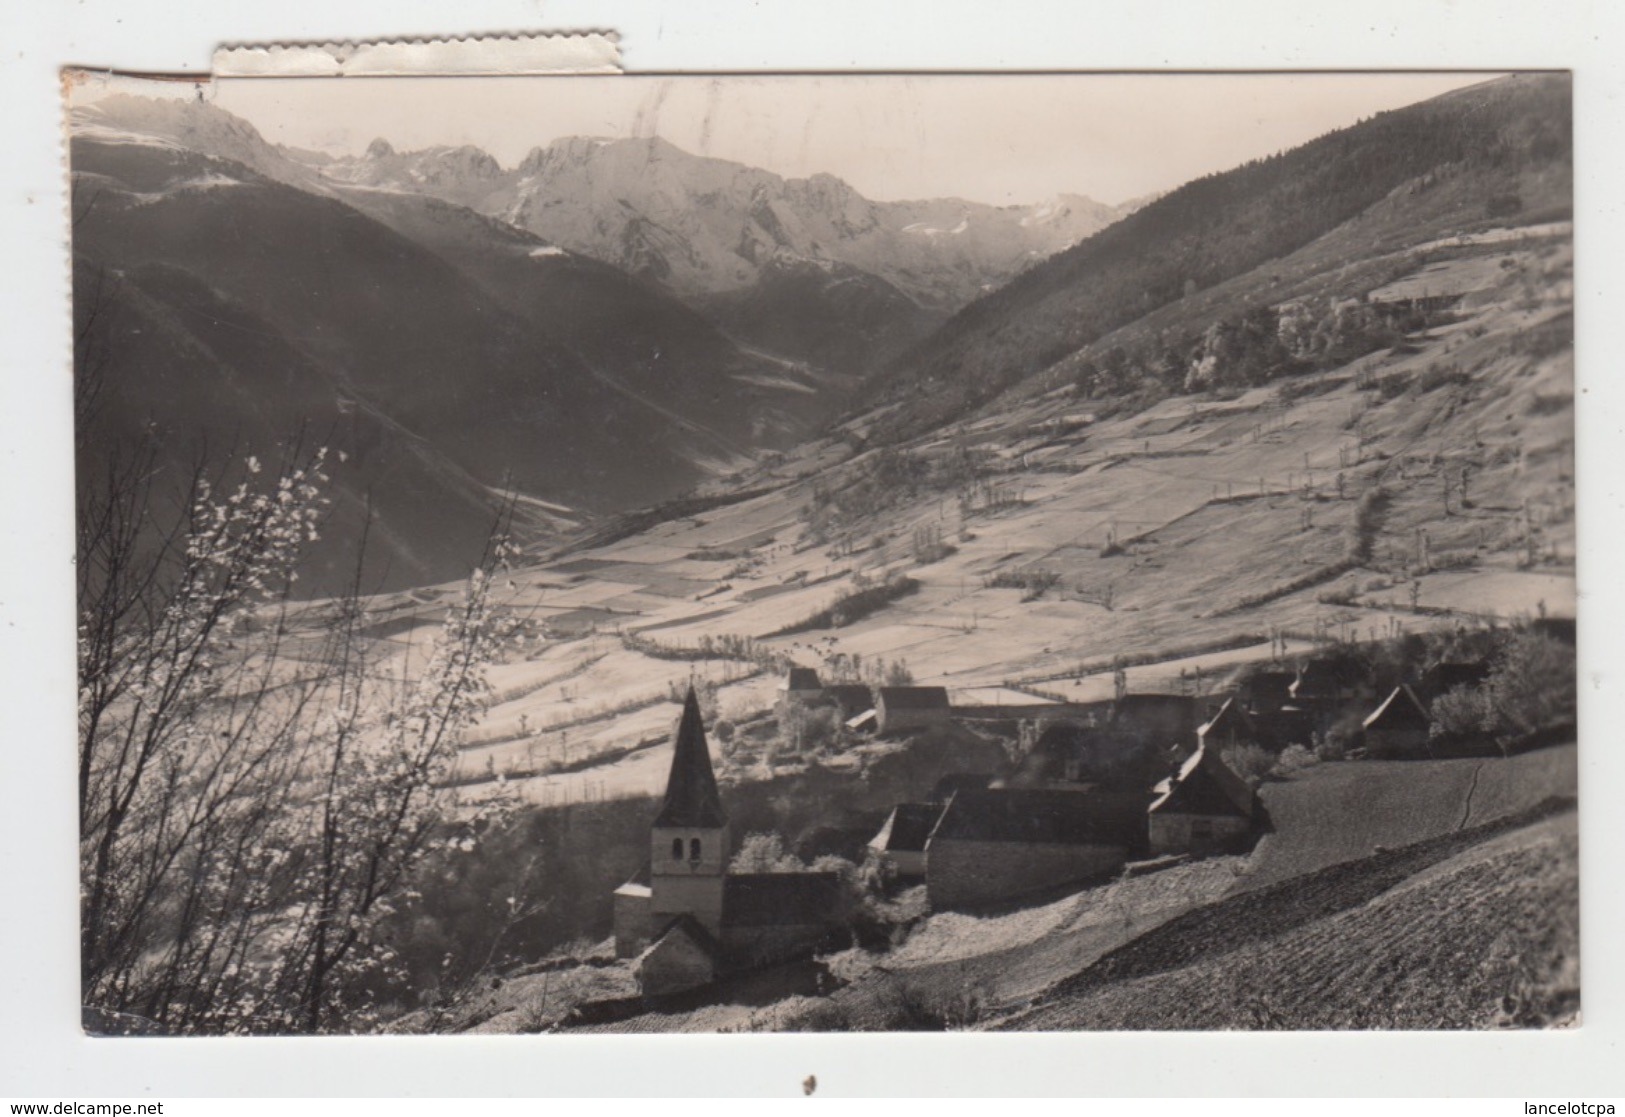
x=688, y=844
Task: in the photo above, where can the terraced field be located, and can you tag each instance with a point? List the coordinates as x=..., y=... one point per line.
x=1335, y=813
x=1474, y=930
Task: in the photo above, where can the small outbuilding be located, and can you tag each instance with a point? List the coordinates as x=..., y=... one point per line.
x=632, y=914
x=684, y=956
x=1399, y=728
x=900, y=844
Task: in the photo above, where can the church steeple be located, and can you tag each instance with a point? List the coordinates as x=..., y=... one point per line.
x=689, y=841
x=692, y=800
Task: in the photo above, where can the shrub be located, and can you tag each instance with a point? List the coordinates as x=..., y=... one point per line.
x=1533, y=684
x=1294, y=759
x=1438, y=376
x=1462, y=711
x=765, y=853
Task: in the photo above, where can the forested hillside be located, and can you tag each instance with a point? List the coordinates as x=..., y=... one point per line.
x=1496, y=150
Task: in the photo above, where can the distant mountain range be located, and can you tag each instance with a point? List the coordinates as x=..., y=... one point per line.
x=704, y=226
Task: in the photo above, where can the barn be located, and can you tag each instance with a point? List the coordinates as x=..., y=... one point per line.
x=1399, y=727
x=1001, y=844
x=899, y=708
x=1203, y=808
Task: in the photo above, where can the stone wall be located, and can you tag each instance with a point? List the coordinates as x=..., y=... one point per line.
x=1182, y=833
x=1400, y=744
x=906, y=862
x=760, y=946
x=970, y=874
x=699, y=896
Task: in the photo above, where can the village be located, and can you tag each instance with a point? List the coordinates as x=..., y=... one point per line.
x=1094, y=793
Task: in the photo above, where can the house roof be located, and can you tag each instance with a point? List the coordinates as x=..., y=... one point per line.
x=914, y=697
x=1321, y=676
x=685, y=926
x=1204, y=784
x=780, y=899
x=802, y=678
x=908, y=827
x=1063, y=739
x=852, y=698
x=1444, y=676
x=1231, y=718
x=1043, y=816
x=954, y=782
x=1400, y=710
x=692, y=799
x=1155, y=714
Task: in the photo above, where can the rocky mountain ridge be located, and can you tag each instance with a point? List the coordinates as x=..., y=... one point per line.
x=703, y=226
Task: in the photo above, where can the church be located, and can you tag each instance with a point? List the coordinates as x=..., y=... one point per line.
x=686, y=919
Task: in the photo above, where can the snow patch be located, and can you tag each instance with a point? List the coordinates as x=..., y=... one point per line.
x=926, y=229
x=102, y=133
x=547, y=250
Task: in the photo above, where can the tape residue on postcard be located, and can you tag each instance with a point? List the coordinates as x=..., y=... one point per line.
x=586, y=53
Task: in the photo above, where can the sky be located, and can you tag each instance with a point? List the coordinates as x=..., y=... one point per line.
x=1002, y=138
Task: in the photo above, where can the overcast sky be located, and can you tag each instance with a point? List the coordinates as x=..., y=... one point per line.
x=1003, y=138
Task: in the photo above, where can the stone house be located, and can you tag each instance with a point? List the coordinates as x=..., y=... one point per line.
x=1202, y=808
x=801, y=688
x=1001, y=844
